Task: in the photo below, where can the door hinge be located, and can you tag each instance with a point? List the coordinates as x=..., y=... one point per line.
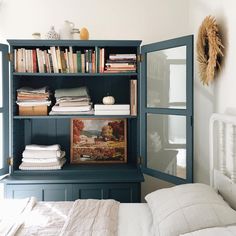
x=139, y=58
x=10, y=57
x=140, y=160
x=10, y=161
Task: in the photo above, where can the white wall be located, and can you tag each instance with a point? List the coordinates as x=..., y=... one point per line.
x=221, y=94
x=150, y=21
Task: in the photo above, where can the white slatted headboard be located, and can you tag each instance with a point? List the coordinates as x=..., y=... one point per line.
x=223, y=156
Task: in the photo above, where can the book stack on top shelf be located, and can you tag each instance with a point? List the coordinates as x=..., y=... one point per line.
x=121, y=63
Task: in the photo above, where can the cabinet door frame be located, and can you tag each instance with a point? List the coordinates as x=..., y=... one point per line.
x=4, y=110
x=188, y=112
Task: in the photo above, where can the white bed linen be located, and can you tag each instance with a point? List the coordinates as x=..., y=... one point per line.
x=135, y=219
x=48, y=218
x=216, y=231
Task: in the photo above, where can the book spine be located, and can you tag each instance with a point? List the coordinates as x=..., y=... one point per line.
x=23, y=60
x=67, y=61
x=58, y=54
x=79, y=68
x=51, y=61
x=93, y=62
x=133, y=97
x=54, y=59
x=71, y=65
x=15, y=60
x=75, y=62
x=83, y=63
x=34, y=61
x=96, y=59
x=38, y=60
x=63, y=62
x=86, y=61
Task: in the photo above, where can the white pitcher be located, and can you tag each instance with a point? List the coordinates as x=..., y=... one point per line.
x=66, y=30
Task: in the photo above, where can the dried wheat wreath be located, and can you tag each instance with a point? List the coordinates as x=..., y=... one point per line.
x=209, y=49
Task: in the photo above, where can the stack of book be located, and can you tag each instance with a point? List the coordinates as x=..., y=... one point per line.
x=33, y=101
x=116, y=109
x=121, y=63
x=72, y=101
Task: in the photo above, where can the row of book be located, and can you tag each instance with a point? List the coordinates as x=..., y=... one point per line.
x=57, y=60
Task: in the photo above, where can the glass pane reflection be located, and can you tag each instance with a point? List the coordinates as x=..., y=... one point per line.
x=166, y=78
x=166, y=144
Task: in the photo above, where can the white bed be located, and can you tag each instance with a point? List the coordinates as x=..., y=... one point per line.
x=189, y=210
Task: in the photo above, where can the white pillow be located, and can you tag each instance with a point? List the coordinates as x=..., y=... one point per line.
x=187, y=208
x=226, y=188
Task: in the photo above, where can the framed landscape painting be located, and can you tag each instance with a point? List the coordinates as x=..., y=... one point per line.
x=98, y=140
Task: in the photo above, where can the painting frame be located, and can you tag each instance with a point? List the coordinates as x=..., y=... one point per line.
x=98, y=140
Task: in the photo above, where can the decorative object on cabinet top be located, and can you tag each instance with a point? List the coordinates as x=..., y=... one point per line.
x=36, y=35
x=52, y=34
x=209, y=49
x=84, y=34
x=66, y=30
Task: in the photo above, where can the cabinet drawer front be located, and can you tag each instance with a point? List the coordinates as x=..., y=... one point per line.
x=125, y=192
x=48, y=192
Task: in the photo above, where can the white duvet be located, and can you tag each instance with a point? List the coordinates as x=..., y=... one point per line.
x=48, y=218
x=216, y=231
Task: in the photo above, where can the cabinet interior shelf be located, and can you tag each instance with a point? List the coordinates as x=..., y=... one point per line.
x=74, y=116
x=107, y=172
x=56, y=75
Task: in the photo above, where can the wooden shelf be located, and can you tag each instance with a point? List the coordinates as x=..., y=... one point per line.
x=81, y=173
x=74, y=116
x=56, y=75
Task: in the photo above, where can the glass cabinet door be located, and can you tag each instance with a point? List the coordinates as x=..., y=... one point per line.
x=4, y=109
x=167, y=109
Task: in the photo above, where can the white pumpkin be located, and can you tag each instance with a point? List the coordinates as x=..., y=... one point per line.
x=108, y=100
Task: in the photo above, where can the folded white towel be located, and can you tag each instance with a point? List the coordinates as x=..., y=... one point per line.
x=43, y=160
x=42, y=166
x=54, y=147
x=42, y=154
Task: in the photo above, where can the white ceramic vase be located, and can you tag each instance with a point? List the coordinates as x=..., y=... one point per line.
x=66, y=30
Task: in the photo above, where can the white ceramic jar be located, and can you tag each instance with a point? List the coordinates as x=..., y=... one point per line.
x=66, y=30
